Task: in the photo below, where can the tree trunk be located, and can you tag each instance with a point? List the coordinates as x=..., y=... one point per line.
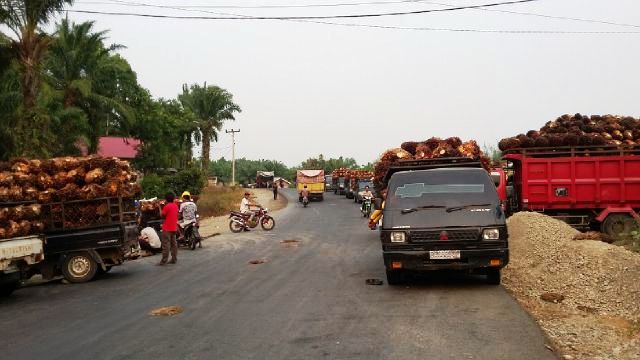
x=206, y=148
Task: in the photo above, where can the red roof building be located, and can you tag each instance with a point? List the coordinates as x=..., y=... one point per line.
x=123, y=148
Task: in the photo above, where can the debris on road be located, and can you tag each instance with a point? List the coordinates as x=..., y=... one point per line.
x=376, y=282
x=257, y=262
x=290, y=243
x=599, y=315
x=167, y=311
x=552, y=297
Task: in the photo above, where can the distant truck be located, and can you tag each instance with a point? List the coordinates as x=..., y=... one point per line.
x=595, y=187
x=442, y=214
x=314, y=180
x=328, y=183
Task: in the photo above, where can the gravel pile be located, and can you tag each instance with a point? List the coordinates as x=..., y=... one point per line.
x=585, y=294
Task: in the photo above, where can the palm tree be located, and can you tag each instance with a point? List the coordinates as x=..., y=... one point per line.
x=211, y=105
x=28, y=44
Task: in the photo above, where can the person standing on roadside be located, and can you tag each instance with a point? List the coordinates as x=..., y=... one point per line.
x=275, y=190
x=169, y=229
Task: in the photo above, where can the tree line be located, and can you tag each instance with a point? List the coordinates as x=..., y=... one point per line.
x=63, y=90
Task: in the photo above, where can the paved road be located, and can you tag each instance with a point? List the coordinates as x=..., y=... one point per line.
x=305, y=302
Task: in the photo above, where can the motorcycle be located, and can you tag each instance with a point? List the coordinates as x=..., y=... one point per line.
x=239, y=221
x=305, y=201
x=366, y=207
x=191, y=236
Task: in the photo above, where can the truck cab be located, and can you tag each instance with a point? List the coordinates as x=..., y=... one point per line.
x=443, y=219
x=328, y=183
x=340, y=186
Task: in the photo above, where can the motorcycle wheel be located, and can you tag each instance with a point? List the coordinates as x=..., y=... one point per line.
x=192, y=242
x=235, y=227
x=267, y=223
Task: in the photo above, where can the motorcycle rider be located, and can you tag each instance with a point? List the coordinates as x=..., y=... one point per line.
x=245, y=208
x=366, y=194
x=304, y=194
x=188, y=211
x=376, y=216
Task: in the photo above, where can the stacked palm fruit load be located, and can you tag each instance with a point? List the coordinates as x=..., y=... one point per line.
x=338, y=173
x=578, y=130
x=434, y=148
x=356, y=175
x=32, y=191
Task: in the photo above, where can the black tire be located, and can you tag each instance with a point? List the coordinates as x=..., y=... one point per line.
x=616, y=224
x=395, y=277
x=192, y=242
x=106, y=270
x=493, y=276
x=79, y=267
x=8, y=289
x=267, y=223
x=299, y=199
x=235, y=227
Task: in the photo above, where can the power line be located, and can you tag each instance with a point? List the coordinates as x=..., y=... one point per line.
x=278, y=6
x=348, y=16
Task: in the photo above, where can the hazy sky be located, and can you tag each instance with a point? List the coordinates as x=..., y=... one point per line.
x=307, y=88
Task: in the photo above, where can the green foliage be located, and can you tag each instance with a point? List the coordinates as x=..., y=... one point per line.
x=246, y=169
x=153, y=185
x=191, y=179
x=329, y=164
x=494, y=154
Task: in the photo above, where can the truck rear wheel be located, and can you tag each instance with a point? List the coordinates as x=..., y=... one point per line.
x=79, y=267
x=493, y=276
x=395, y=277
x=616, y=224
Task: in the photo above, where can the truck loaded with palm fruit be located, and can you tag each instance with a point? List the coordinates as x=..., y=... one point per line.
x=584, y=170
x=66, y=216
x=313, y=180
x=442, y=210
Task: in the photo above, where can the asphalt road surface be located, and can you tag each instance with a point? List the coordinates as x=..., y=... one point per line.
x=307, y=301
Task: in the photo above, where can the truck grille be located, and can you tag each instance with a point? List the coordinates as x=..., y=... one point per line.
x=454, y=235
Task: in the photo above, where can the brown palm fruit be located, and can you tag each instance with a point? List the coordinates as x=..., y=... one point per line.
x=628, y=123
x=102, y=210
x=20, y=165
x=6, y=179
x=17, y=212
x=577, y=117
x=37, y=226
x=43, y=181
x=93, y=191
x=95, y=176
x=112, y=188
x=628, y=135
x=470, y=149
x=13, y=229
x=102, y=163
x=60, y=180
x=598, y=140
x=4, y=214
x=4, y=194
x=606, y=136
x=454, y=142
x=69, y=192
x=46, y=196
x=25, y=227
x=526, y=142
x=35, y=165
x=24, y=179
x=508, y=144
x=423, y=151
x=132, y=190
x=3, y=233
x=556, y=140
x=433, y=143
x=15, y=193
x=617, y=135
x=409, y=146
x=584, y=140
x=5, y=166
x=542, y=141
x=571, y=139
x=32, y=211
x=533, y=134
x=30, y=193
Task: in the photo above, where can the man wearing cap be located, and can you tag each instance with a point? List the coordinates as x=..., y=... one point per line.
x=188, y=211
x=245, y=208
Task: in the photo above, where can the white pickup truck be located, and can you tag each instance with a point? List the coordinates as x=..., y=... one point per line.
x=16, y=255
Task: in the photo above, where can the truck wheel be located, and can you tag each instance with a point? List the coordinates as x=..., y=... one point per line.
x=493, y=276
x=79, y=267
x=395, y=277
x=7, y=289
x=616, y=224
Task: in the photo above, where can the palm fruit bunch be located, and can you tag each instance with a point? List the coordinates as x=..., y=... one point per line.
x=433, y=148
x=43, y=182
x=578, y=130
x=338, y=173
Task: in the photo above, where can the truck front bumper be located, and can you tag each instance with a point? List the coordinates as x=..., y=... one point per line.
x=469, y=259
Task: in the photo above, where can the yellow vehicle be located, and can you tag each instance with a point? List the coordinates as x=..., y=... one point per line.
x=314, y=179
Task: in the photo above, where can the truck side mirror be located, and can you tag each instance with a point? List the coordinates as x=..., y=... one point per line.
x=377, y=203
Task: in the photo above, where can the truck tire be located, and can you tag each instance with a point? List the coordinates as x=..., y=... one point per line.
x=616, y=224
x=493, y=276
x=7, y=289
x=79, y=267
x=395, y=277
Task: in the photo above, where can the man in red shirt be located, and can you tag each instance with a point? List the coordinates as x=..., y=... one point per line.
x=169, y=229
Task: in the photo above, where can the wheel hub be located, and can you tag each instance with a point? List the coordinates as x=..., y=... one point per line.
x=79, y=266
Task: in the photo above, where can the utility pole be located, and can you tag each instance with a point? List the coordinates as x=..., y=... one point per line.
x=233, y=154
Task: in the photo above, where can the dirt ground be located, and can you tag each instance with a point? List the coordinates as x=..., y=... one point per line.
x=585, y=294
x=220, y=224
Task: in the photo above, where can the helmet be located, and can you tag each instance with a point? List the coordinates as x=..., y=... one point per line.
x=186, y=193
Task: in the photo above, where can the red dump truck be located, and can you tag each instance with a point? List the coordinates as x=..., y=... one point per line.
x=587, y=187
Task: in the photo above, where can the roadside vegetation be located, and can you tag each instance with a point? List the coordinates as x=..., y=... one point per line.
x=218, y=200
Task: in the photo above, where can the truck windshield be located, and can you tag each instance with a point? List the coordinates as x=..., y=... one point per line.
x=442, y=188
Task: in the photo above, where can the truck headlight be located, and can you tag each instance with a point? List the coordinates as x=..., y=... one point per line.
x=397, y=237
x=491, y=234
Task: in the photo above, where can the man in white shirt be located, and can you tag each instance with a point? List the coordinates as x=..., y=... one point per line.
x=149, y=240
x=245, y=208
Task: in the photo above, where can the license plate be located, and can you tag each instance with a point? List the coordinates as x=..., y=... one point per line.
x=444, y=254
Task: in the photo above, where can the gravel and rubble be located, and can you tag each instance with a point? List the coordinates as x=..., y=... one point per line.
x=585, y=294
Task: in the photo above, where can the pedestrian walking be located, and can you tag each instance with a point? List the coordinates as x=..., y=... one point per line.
x=275, y=190
x=169, y=230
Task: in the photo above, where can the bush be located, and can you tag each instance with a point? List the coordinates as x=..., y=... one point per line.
x=191, y=180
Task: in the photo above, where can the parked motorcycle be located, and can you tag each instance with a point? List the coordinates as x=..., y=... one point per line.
x=366, y=207
x=191, y=236
x=239, y=221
